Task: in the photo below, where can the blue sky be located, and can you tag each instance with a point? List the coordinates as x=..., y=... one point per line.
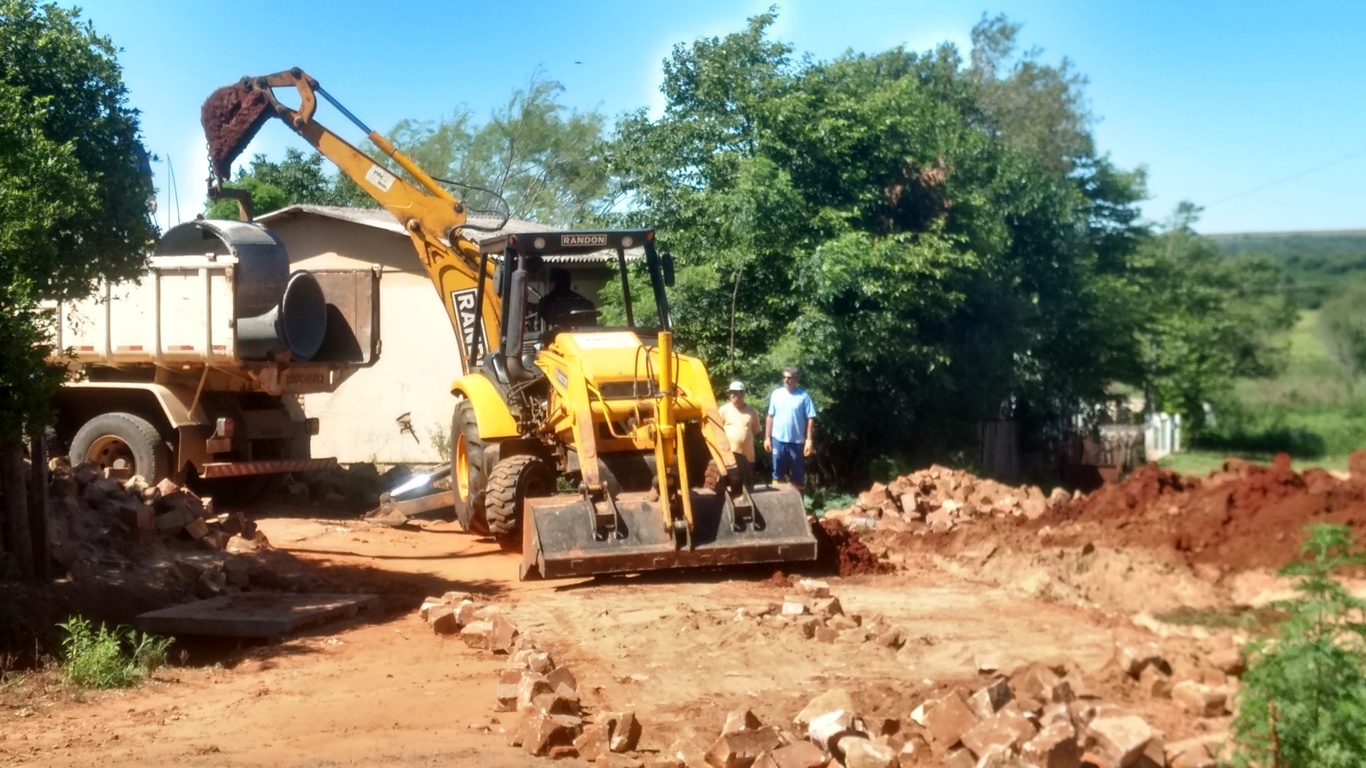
x=1254, y=109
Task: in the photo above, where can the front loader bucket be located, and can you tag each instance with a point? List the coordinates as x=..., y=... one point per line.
x=559, y=538
x=231, y=116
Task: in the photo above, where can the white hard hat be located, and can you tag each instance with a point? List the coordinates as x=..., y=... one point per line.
x=737, y=386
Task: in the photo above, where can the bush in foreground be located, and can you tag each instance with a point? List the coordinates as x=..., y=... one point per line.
x=1303, y=701
x=109, y=658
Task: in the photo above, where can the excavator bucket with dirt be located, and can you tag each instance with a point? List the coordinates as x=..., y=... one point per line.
x=231, y=117
x=570, y=536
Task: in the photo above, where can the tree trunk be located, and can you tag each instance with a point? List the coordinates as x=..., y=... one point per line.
x=16, y=506
x=37, y=505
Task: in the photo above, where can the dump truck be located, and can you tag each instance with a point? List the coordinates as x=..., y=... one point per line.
x=591, y=449
x=192, y=370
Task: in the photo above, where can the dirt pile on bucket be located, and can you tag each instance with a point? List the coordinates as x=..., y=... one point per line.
x=231, y=116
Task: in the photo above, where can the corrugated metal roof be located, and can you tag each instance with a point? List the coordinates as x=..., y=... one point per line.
x=379, y=218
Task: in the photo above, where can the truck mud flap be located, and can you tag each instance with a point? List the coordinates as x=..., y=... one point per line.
x=559, y=537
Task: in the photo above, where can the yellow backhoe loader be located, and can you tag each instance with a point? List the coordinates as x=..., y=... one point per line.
x=592, y=449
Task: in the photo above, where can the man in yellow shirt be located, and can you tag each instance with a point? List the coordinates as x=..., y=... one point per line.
x=741, y=422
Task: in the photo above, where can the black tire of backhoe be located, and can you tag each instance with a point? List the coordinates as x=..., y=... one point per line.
x=464, y=422
x=514, y=479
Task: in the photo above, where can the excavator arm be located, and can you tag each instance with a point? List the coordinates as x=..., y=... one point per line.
x=431, y=215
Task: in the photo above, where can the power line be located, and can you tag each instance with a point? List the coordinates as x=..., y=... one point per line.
x=1291, y=177
x=175, y=194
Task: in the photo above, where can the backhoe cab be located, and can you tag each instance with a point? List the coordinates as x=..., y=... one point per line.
x=619, y=462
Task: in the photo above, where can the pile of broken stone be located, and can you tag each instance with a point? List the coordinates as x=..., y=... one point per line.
x=549, y=720
x=143, y=512
x=938, y=499
x=1038, y=716
x=817, y=615
x=109, y=517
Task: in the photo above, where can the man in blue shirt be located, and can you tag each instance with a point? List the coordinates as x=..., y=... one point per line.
x=788, y=429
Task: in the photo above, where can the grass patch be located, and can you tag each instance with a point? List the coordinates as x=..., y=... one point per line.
x=1256, y=619
x=109, y=658
x=1309, y=412
x=1199, y=463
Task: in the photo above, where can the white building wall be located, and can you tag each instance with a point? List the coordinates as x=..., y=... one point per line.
x=398, y=410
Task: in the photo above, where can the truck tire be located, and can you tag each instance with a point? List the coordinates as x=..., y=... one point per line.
x=514, y=480
x=468, y=478
x=110, y=437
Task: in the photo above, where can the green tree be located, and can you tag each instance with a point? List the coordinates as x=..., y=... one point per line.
x=75, y=184
x=1342, y=325
x=1208, y=319
x=1038, y=109
x=857, y=217
x=297, y=179
x=1303, y=698
x=543, y=159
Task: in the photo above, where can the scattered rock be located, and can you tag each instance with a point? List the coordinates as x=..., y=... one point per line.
x=1133, y=659
x=442, y=619
x=989, y=700
x=476, y=634
x=625, y=733
x=542, y=732
x=948, y=718
x=740, y=720
x=833, y=700
x=1228, y=659
x=799, y=754
x=1120, y=739
x=859, y=752
x=813, y=589
x=502, y=634
x=1154, y=683
x=505, y=695
x=827, y=607
x=592, y=743
x=1200, y=699
x=1054, y=746
x=740, y=750
x=1007, y=728
x=826, y=730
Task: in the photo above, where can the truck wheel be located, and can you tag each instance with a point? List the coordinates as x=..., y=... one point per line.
x=112, y=437
x=514, y=480
x=467, y=469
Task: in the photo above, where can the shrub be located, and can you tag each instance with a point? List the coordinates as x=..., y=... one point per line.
x=1303, y=700
x=109, y=658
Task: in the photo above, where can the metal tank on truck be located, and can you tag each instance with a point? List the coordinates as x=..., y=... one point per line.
x=192, y=370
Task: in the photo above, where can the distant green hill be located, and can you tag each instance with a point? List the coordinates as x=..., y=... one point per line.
x=1320, y=263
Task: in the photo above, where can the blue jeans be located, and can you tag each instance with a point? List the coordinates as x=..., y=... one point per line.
x=788, y=460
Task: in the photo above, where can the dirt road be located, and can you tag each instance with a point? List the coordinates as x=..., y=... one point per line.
x=678, y=650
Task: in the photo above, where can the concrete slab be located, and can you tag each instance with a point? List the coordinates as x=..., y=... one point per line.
x=254, y=614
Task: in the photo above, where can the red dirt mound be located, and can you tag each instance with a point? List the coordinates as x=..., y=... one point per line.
x=1248, y=516
x=1144, y=486
x=841, y=547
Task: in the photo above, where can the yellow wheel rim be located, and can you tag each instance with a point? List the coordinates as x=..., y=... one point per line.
x=462, y=468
